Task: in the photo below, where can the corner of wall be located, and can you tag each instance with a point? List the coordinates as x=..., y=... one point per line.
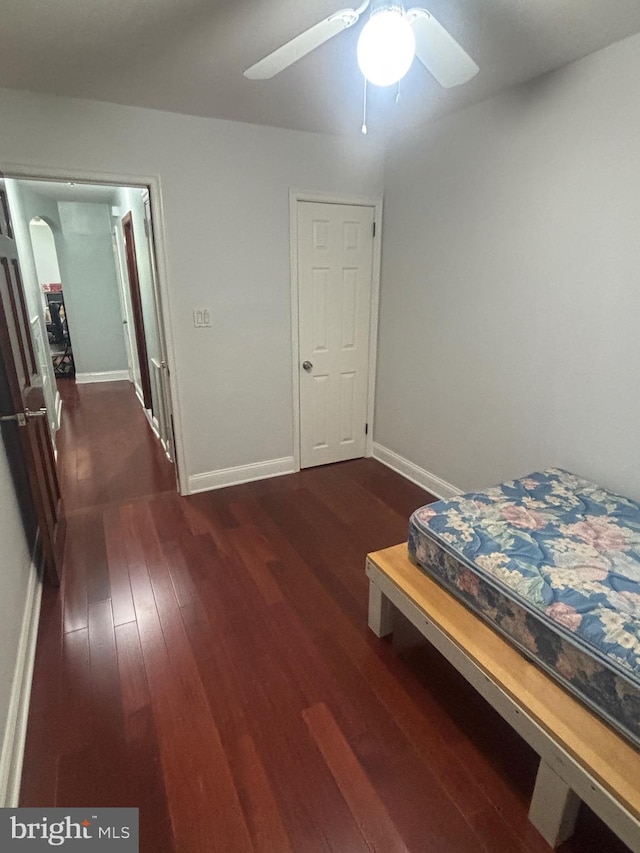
x=420, y=476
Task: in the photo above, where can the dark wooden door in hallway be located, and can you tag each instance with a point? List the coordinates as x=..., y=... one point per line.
x=208, y=660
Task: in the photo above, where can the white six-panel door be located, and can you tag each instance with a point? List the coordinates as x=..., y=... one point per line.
x=335, y=263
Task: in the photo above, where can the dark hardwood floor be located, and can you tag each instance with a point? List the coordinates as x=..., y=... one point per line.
x=208, y=660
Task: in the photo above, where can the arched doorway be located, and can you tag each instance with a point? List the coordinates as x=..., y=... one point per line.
x=48, y=270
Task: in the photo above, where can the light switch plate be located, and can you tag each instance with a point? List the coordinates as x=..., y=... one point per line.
x=201, y=318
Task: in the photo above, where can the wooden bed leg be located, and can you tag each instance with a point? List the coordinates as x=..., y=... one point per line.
x=554, y=806
x=380, y=611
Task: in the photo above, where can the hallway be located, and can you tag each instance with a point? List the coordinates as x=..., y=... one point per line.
x=106, y=450
x=208, y=660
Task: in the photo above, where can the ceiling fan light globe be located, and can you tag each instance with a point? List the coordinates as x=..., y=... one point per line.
x=386, y=47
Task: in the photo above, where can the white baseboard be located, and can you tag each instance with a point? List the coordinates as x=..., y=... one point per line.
x=16, y=727
x=152, y=421
x=438, y=487
x=139, y=393
x=106, y=376
x=241, y=474
x=155, y=426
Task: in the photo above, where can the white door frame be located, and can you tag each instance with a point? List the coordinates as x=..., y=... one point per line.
x=116, y=240
x=22, y=171
x=296, y=196
x=164, y=416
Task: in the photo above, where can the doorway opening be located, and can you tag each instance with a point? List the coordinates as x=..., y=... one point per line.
x=91, y=288
x=45, y=256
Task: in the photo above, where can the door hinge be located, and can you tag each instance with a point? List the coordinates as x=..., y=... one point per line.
x=366, y=429
x=374, y=229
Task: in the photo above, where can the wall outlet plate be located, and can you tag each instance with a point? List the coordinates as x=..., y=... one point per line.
x=202, y=318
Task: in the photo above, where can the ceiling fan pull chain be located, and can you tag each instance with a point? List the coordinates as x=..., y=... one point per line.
x=364, y=109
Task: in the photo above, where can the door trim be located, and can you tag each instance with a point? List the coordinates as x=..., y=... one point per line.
x=118, y=251
x=22, y=171
x=131, y=255
x=296, y=196
x=165, y=388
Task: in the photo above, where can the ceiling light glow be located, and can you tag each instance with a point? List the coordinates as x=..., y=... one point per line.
x=386, y=47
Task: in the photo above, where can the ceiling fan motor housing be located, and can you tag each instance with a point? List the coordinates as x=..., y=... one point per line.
x=386, y=45
x=386, y=6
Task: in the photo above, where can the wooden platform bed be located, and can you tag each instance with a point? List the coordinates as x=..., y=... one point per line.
x=581, y=758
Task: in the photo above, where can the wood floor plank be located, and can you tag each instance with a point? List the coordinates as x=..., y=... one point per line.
x=74, y=581
x=134, y=689
x=265, y=824
x=168, y=517
x=255, y=558
x=95, y=557
x=183, y=585
x=369, y=811
x=75, y=730
x=78, y=780
x=119, y=584
x=108, y=748
x=146, y=782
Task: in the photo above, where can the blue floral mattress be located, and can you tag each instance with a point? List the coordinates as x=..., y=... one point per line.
x=553, y=563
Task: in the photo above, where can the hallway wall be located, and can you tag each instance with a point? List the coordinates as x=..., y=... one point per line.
x=91, y=287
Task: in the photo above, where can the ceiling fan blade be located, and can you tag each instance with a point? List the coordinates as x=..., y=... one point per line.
x=301, y=45
x=439, y=52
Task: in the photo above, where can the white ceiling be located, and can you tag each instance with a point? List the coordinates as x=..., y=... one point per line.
x=188, y=56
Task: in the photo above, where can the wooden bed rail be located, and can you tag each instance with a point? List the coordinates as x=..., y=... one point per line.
x=581, y=758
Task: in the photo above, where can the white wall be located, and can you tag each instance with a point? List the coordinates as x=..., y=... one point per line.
x=225, y=193
x=44, y=252
x=511, y=283
x=90, y=287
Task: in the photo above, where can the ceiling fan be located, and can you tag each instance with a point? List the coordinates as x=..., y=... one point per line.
x=386, y=47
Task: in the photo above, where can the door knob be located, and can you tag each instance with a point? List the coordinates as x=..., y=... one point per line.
x=306, y=365
x=21, y=418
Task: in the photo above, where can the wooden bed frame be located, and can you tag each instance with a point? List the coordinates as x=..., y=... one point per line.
x=581, y=758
